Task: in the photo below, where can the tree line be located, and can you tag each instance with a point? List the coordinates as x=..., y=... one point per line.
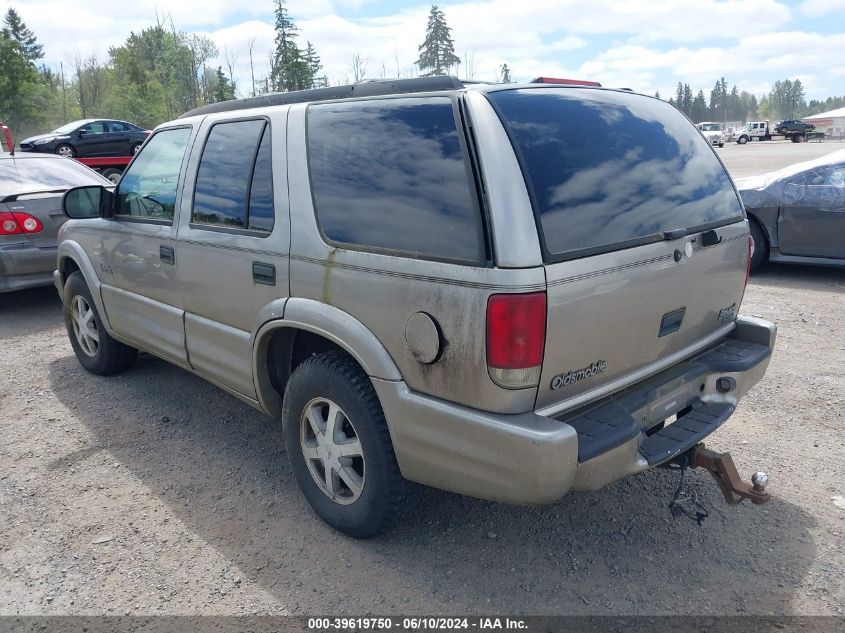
x=785, y=100
x=161, y=72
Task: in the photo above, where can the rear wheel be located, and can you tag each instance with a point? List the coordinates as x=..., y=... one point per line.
x=761, y=245
x=95, y=350
x=66, y=150
x=113, y=174
x=339, y=446
x=135, y=148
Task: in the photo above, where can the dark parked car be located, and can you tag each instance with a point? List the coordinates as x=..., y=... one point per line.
x=89, y=137
x=31, y=190
x=797, y=214
x=792, y=126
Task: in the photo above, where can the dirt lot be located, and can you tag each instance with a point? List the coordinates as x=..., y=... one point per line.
x=154, y=492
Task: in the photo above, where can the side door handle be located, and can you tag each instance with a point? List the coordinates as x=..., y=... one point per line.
x=167, y=254
x=264, y=273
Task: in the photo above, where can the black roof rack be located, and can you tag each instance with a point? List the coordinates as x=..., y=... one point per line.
x=366, y=88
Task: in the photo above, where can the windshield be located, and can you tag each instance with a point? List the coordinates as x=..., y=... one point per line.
x=711, y=127
x=608, y=169
x=29, y=175
x=67, y=128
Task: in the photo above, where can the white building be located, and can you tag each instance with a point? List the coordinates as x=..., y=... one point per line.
x=831, y=123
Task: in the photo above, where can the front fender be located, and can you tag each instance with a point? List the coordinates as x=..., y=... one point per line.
x=69, y=249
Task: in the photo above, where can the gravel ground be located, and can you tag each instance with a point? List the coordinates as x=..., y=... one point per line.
x=154, y=492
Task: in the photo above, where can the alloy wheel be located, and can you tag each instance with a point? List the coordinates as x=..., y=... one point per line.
x=332, y=451
x=85, y=325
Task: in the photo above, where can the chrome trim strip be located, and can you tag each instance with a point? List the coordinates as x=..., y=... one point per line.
x=640, y=374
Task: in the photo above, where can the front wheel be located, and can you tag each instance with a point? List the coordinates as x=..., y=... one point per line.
x=66, y=150
x=339, y=446
x=742, y=140
x=95, y=350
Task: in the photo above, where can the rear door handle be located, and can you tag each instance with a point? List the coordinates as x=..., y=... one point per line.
x=264, y=273
x=167, y=254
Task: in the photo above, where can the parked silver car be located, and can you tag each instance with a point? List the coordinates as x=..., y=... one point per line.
x=31, y=190
x=797, y=214
x=456, y=285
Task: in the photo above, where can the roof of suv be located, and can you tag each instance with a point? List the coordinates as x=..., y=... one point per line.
x=368, y=88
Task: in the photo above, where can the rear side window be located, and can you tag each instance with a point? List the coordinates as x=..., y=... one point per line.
x=234, y=182
x=612, y=169
x=390, y=175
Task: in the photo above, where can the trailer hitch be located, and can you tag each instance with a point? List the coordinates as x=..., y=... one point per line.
x=721, y=466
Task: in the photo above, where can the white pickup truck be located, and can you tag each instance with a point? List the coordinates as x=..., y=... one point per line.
x=712, y=132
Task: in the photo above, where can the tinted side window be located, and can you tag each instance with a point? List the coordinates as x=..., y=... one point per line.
x=225, y=174
x=390, y=174
x=148, y=188
x=261, y=213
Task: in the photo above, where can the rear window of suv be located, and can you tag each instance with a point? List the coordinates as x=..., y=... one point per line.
x=390, y=175
x=607, y=170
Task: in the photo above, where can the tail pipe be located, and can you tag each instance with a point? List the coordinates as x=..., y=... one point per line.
x=721, y=466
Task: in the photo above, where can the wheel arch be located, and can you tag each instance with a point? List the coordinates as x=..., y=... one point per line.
x=309, y=327
x=71, y=258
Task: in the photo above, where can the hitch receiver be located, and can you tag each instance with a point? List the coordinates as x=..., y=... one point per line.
x=722, y=467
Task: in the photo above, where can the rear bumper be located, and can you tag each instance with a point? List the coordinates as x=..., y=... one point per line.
x=532, y=459
x=25, y=266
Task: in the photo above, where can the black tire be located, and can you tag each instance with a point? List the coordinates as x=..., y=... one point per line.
x=110, y=356
x=112, y=174
x=337, y=377
x=66, y=150
x=742, y=140
x=134, y=149
x=721, y=144
x=761, y=245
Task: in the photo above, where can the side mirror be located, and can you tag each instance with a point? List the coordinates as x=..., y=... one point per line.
x=88, y=202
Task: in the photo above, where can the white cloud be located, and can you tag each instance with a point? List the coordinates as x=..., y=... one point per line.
x=819, y=8
x=659, y=41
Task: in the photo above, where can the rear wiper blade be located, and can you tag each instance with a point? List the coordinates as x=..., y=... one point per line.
x=674, y=234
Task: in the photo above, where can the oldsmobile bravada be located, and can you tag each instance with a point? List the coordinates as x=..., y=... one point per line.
x=506, y=291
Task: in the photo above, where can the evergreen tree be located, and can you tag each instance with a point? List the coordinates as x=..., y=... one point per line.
x=656, y=94
x=505, y=74
x=437, y=52
x=312, y=67
x=15, y=29
x=687, y=100
x=223, y=88
x=698, y=108
x=286, y=70
x=679, y=97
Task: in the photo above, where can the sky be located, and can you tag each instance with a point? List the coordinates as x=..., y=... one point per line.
x=648, y=45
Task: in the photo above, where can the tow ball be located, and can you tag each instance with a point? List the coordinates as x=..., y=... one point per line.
x=721, y=466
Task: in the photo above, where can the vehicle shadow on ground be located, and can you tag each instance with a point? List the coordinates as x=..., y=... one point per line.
x=222, y=470
x=38, y=308
x=826, y=279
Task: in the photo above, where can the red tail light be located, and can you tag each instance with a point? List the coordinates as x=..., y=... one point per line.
x=516, y=338
x=18, y=222
x=750, y=255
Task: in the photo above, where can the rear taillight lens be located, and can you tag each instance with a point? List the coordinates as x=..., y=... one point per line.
x=516, y=338
x=750, y=255
x=8, y=224
x=19, y=222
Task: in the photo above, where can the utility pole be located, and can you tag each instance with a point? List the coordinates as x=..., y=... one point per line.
x=64, y=92
x=251, y=69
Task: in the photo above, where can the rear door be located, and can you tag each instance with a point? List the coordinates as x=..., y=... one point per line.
x=233, y=242
x=643, y=235
x=811, y=222
x=118, y=140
